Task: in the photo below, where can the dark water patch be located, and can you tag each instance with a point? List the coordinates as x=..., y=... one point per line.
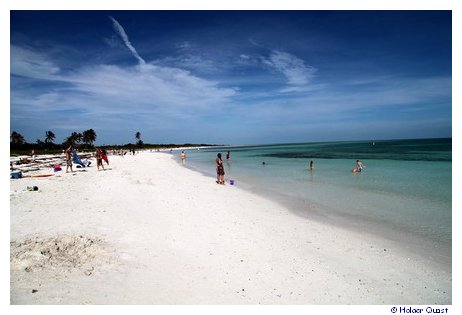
x=418, y=145
x=357, y=156
x=405, y=150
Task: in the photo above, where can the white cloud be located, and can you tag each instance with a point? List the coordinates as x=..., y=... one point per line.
x=338, y=103
x=104, y=88
x=192, y=62
x=298, y=75
x=32, y=64
x=157, y=97
x=120, y=30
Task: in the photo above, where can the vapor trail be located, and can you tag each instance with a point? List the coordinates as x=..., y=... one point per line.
x=120, y=30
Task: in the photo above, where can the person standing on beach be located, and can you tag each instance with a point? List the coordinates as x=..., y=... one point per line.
x=104, y=154
x=311, y=166
x=220, y=170
x=68, y=159
x=183, y=157
x=99, y=159
x=228, y=156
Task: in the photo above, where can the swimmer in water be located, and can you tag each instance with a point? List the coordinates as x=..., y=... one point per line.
x=359, y=166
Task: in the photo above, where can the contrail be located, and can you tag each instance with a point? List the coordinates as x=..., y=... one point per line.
x=120, y=30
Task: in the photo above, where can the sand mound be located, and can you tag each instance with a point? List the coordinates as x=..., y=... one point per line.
x=64, y=251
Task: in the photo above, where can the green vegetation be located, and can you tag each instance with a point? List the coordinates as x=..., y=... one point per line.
x=84, y=141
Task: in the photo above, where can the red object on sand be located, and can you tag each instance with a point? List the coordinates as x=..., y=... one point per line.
x=41, y=175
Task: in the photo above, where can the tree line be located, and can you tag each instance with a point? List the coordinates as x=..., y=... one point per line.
x=84, y=140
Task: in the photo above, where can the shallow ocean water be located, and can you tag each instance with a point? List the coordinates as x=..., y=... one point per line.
x=404, y=193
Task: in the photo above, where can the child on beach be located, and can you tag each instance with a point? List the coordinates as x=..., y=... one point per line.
x=220, y=170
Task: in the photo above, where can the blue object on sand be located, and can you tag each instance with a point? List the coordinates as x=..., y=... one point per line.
x=16, y=175
x=76, y=159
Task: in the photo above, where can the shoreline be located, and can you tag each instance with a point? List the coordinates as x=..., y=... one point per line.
x=170, y=235
x=419, y=245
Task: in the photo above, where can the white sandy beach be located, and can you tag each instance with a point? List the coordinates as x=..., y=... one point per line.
x=149, y=231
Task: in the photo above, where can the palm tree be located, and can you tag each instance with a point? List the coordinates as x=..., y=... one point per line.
x=89, y=136
x=138, y=137
x=49, y=138
x=73, y=139
x=78, y=137
x=17, y=138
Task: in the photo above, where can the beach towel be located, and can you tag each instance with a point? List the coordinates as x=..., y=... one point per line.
x=76, y=159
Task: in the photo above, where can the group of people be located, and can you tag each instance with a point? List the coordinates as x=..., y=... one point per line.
x=219, y=164
x=358, y=169
x=221, y=170
x=101, y=155
x=72, y=157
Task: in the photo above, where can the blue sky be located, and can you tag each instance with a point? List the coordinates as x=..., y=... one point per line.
x=231, y=77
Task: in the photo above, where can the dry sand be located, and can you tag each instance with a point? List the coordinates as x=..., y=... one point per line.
x=149, y=231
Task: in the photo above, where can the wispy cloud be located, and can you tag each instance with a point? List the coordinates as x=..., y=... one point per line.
x=151, y=87
x=105, y=95
x=233, y=93
x=196, y=63
x=29, y=63
x=120, y=30
x=254, y=43
x=183, y=45
x=298, y=75
x=335, y=104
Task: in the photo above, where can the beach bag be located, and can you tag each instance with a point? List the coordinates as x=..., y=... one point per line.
x=16, y=175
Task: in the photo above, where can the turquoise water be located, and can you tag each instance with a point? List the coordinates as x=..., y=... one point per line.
x=405, y=192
